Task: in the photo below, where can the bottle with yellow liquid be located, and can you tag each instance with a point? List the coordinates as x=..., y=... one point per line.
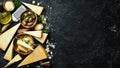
x=5, y=17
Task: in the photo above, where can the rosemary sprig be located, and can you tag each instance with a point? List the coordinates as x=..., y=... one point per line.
x=45, y=30
x=17, y=3
x=42, y=19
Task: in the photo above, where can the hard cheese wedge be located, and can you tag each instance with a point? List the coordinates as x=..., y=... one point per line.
x=34, y=33
x=37, y=9
x=38, y=54
x=43, y=38
x=14, y=60
x=6, y=37
x=9, y=54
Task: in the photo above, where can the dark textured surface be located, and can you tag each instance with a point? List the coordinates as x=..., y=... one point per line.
x=86, y=32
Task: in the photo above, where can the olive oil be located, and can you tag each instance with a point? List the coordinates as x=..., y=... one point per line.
x=5, y=17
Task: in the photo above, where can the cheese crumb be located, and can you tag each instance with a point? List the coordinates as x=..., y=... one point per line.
x=38, y=4
x=33, y=2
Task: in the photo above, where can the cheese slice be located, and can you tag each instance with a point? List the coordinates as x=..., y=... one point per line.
x=6, y=37
x=38, y=54
x=9, y=54
x=37, y=9
x=21, y=43
x=43, y=38
x=14, y=60
x=22, y=48
x=34, y=33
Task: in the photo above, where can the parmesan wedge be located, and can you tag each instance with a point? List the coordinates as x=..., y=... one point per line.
x=6, y=37
x=37, y=9
x=43, y=38
x=34, y=33
x=38, y=54
x=9, y=54
x=14, y=60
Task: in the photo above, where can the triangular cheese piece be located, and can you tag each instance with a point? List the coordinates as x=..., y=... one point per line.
x=14, y=60
x=38, y=54
x=34, y=33
x=9, y=54
x=6, y=37
x=43, y=38
x=37, y=9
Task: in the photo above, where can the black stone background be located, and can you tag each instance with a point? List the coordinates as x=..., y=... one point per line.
x=87, y=33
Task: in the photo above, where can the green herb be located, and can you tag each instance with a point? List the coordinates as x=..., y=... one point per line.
x=27, y=42
x=42, y=19
x=35, y=45
x=45, y=30
x=17, y=3
x=23, y=40
x=18, y=38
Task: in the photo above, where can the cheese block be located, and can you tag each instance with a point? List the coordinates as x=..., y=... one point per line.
x=6, y=37
x=38, y=54
x=37, y=9
x=9, y=54
x=43, y=38
x=14, y=60
x=34, y=33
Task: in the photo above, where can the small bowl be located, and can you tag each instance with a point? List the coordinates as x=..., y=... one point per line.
x=16, y=46
x=9, y=21
x=22, y=21
x=5, y=7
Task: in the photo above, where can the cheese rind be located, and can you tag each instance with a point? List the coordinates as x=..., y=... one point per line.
x=6, y=37
x=34, y=33
x=38, y=54
x=9, y=54
x=37, y=9
x=43, y=38
x=14, y=60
